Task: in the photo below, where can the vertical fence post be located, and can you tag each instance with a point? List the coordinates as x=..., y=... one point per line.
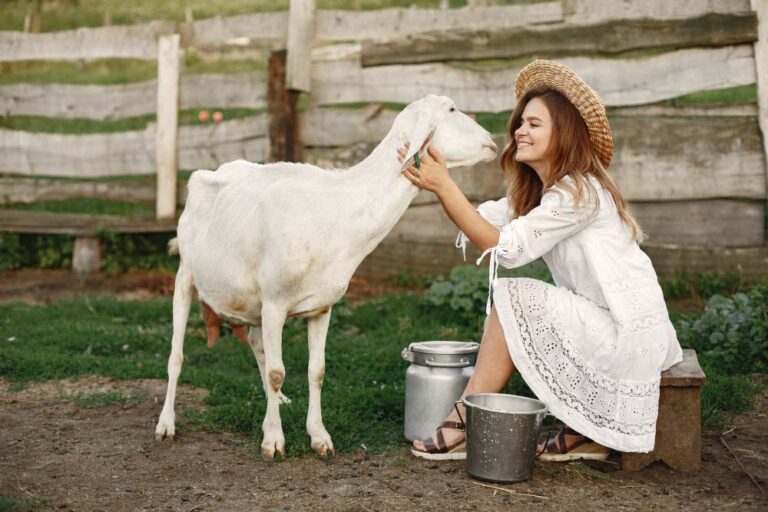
x=166, y=136
x=301, y=33
x=761, y=64
x=289, y=75
x=283, y=115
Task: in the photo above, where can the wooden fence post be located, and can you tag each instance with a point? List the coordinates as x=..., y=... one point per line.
x=283, y=116
x=761, y=65
x=166, y=136
x=301, y=33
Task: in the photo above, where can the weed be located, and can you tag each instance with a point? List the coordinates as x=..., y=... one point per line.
x=17, y=504
x=102, y=399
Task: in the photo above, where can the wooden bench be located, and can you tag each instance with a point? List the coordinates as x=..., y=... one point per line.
x=86, y=255
x=678, y=428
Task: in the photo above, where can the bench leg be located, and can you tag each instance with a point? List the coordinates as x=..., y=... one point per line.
x=678, y=432
x=86, y=257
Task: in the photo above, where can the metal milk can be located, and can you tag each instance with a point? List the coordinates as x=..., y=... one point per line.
x=438, y=373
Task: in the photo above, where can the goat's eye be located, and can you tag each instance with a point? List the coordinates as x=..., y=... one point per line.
x=453, y=109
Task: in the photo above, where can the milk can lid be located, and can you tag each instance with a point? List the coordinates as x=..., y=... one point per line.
x=446, y=348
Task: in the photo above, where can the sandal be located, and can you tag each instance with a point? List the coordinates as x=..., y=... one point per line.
x=441, y=450
x=556, y=449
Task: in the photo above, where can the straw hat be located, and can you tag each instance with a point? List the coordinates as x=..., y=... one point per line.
x=553, y=75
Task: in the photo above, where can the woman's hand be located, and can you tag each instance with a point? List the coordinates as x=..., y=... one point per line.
x=432, y=175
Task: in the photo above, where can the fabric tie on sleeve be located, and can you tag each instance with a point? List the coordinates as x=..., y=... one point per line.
x=493, y=270
x=461, y=243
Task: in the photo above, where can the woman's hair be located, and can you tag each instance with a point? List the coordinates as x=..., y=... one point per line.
x=570, y=154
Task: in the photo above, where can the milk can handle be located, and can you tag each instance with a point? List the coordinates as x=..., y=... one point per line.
x=447, y=364
x=407, y=354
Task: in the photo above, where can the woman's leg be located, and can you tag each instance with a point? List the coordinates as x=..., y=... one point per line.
x=493, y=370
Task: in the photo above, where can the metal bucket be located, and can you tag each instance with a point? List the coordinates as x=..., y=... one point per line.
x=501, y=435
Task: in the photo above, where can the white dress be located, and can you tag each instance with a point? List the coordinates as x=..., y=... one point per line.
x=592, y=347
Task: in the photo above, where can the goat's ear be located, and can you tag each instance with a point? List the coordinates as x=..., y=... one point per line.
x=419, y=137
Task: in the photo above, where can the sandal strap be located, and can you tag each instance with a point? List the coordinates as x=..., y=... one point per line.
x=455, y=425
x=556, y=444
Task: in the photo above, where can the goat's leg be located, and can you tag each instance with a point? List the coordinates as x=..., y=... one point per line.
x=318, y=331
x=256, y=341
x=272, y=321
x=182, y=300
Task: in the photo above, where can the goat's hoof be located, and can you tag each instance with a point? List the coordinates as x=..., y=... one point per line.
x=323, y=446
x=163, y=431
x=283, y=399
x=269, y=450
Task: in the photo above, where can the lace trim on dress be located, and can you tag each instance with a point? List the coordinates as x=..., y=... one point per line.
x=626, y=407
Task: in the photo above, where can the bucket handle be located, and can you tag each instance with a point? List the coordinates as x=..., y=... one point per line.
x=461, y=419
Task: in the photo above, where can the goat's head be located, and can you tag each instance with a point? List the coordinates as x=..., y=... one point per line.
x=435, y=121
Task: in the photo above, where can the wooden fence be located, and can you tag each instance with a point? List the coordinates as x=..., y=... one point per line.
x=695, y=175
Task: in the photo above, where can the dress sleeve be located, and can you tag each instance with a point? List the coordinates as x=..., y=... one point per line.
x=495, y=212
x=529, y=237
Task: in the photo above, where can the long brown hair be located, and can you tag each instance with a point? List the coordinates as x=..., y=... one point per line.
x=570, y=154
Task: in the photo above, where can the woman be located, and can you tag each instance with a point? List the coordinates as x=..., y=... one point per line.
x=592, y=347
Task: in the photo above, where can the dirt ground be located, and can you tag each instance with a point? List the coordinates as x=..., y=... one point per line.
x=69, y=457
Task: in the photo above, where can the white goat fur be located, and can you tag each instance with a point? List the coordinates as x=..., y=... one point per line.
x=265, y=242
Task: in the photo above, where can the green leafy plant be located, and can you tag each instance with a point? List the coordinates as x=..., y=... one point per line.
x=732, y=333
x=11, y=251
x=121, y=252
x=464, y=291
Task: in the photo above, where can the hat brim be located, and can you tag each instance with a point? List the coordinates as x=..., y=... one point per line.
x=548, y=74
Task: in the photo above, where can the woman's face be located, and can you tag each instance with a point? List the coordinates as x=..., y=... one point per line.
x=533, y=136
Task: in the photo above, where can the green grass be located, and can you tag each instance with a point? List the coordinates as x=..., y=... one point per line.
x=87, y=205
x=102, y=399
x=725, y=396
x=89, y=13
x=363, y=389
x=40, y=124
x=363, y=397
x=115, y=71
x=730, y=96
x=18, y=504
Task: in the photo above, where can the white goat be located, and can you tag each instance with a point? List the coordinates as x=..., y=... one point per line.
x=265, y=242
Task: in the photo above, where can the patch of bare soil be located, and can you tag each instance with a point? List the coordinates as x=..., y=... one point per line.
x=70, y=457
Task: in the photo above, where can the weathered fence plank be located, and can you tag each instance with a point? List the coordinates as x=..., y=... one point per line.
x=657, y=157
x=80, y=224
x=360, y=25
x=107, y=102
x=126, y=41
x=167, y=129
x=132, y=152
x=719, y=223
x=15, y=190
x=269, y=29
x=750, y=262
x=620, y=82
x=714, y=222
x=591, y=11
x=678, y=158
x=610, y=37
x=301, y=34
x=761, y=69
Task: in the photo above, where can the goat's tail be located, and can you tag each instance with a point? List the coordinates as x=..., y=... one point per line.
x=173, y=246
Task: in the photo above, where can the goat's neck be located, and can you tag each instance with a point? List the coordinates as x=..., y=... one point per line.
x=382, y=185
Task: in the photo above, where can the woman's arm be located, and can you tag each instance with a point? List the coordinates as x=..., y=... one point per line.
x=482, y=233
x=433, y=175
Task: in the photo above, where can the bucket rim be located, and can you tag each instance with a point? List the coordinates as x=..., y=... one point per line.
x=543, y=408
